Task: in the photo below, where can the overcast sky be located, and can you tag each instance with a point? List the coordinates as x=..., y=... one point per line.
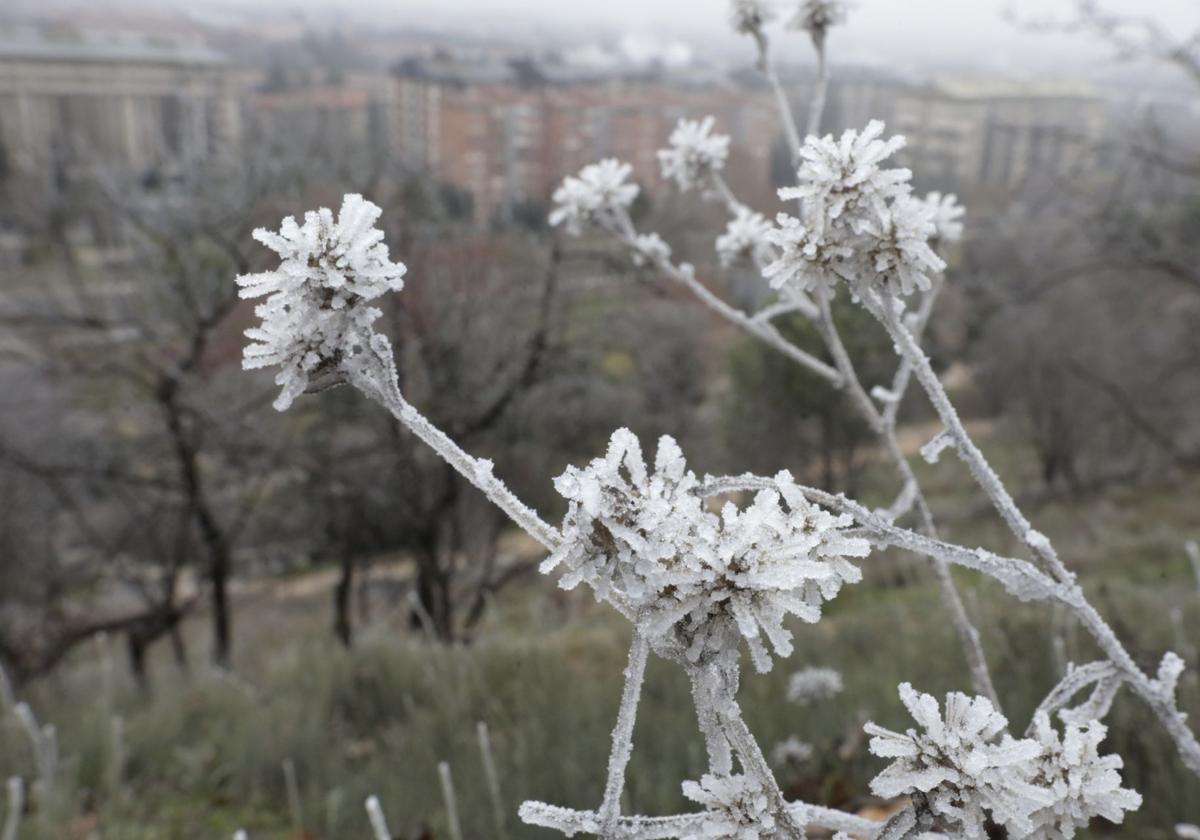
x=912, y=35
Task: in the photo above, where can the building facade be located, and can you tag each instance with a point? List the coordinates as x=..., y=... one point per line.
x=997, y=135
x=93, y=99
x=508, y=139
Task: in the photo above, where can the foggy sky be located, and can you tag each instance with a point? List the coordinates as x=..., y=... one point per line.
x=912, y=36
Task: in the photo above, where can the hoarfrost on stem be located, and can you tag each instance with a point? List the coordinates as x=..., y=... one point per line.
x=316, y=317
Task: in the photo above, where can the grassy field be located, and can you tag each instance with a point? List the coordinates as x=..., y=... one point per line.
x=204, y=755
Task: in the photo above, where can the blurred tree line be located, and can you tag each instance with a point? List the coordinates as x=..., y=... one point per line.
x=143, y=476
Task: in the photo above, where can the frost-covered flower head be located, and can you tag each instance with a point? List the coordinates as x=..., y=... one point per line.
x=748, y=17
x=842, y=182
x=898, y=253
x=947, y=216
x=650, y=249
x=857, y=221
x=694, y=152
x=1084, y=783
x=746, y=235
x=969, y=768
x=645, y=541
x=816, y=17
x=791, y=750
x=805, y=258
x=598, y=189
x=316, y=317
x=809, y=684
x=736, y=808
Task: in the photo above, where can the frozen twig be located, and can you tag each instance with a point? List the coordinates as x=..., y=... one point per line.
x=376, y=378
x=570, y=821
x=622, y=736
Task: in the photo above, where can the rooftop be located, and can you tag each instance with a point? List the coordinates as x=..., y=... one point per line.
x=69, y=44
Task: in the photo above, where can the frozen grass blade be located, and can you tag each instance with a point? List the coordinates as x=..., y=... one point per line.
x=378, y=822
x=492, y=778
x=451, y=801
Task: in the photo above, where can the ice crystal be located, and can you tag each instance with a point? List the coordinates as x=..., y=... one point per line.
x=736, y=808
x=748, y=17
x=645, y=540
x=745, y=237
x=810, y=684
x=598, y=190
x=1083, y=782
x=316, y=316
x=694, y=153
x=947, y=216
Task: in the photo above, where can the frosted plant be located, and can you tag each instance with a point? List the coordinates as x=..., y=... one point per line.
x=650, y=249
x=947, y=216
x=745, y=237
x=817, y=16
x=749, y=16
x=965, y=763
x=806, y=260
x=696, y=582
x=858, y=221
x=1084, y=783
x=645, y=540
x=694, y=153
x=737, y=808
x=897, y=250
x=809, y=684
x=791, y=750
x=841, y=183
x=594, y=194
x=317, y=316
x=968, y=768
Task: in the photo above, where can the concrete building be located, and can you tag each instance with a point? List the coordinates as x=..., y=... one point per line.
x=996, y=134
x=76, y=99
